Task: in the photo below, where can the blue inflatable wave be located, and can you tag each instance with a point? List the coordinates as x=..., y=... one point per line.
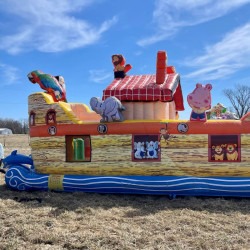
x=22, y=178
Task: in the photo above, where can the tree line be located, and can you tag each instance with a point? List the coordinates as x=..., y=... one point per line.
x=17, y=127
x=239, y=98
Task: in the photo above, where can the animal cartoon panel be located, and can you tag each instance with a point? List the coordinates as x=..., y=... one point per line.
x=224, y=148
x=146, y=148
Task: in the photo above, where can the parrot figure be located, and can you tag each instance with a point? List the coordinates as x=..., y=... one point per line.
x=48, y=83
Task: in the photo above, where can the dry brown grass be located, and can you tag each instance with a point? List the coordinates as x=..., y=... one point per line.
x=49, y=220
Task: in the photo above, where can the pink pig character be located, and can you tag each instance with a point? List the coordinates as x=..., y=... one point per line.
x=200, y=101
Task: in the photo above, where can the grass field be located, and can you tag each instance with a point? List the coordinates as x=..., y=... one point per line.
x=50, y=220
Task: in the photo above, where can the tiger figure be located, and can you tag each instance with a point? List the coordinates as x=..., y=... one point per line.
x=110, y=109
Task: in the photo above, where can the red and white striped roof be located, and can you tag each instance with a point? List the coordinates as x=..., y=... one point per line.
x=145, y=88
x=142, y=88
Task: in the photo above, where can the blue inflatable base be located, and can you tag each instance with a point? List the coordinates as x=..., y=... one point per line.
x=20, y=177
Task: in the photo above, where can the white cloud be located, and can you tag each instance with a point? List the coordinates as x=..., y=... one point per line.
x=49, y=26
x=171, y=16
x=224, y=58
x=8, y=74
x=100, y=76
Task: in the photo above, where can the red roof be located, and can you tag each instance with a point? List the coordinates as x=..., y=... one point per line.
x=144, y=88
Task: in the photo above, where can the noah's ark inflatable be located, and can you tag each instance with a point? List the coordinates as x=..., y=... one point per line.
x=131, y=140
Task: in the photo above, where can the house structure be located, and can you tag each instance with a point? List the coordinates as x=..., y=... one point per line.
x=151, y=96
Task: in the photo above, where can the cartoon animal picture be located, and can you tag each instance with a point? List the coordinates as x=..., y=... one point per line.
x=110, y=109
x=146, y=148
x=231, y=152
x=151, y=150
x=164, y=134
x=120, y=69
x=219, y=111
x=182, y=128
x=218, y=152
x=140, y=152
x=200, y=101
x=48, y=83
x=51, y=117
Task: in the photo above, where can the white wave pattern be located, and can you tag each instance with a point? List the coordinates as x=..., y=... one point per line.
x=161, y=190
x=16, y=179
x=174, y=180
x=156, y=186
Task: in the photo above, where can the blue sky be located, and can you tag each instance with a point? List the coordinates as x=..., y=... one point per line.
x=208, y=41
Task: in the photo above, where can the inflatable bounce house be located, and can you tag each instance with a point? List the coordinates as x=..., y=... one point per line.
x=132, y=140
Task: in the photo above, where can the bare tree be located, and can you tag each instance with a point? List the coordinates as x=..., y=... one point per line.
x=17, y=127
x=239, y=98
